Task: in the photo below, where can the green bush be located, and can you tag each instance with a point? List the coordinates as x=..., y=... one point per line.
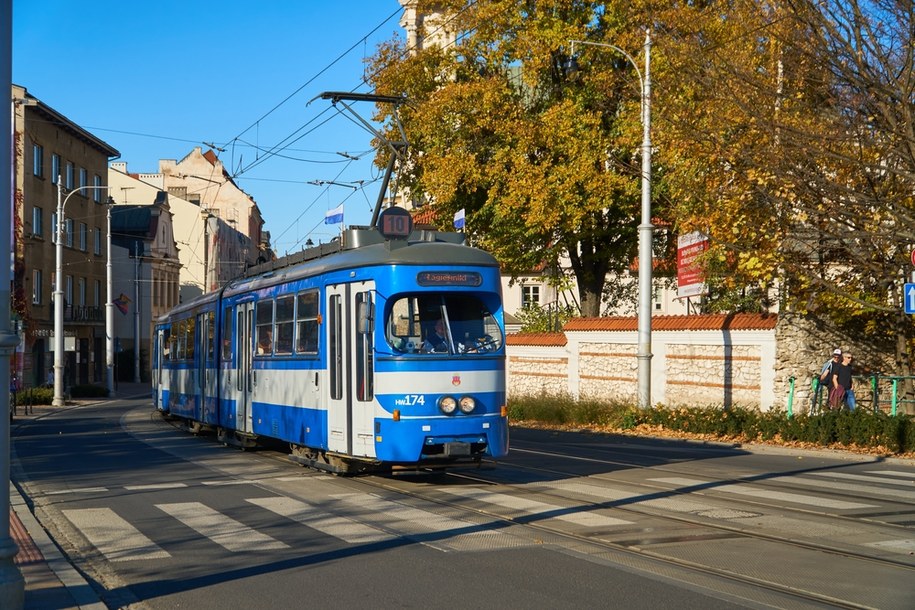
x=859, y=428
x=35, y=396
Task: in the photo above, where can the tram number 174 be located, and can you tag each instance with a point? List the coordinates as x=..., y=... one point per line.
x=410, y=400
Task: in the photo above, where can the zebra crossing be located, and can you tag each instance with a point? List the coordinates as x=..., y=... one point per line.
x=365, y=519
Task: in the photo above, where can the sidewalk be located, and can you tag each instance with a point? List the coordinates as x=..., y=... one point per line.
x=51, y=583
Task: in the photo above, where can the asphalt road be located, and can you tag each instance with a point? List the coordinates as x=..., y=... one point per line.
x=157, y=518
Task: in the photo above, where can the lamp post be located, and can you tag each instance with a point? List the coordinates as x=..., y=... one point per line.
x=109, y=312
x=59, y=293
x=645, y=227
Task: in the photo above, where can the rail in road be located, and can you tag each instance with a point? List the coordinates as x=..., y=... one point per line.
x=782, y=530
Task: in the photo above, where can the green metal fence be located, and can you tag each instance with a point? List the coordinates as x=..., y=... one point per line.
x=885, y=393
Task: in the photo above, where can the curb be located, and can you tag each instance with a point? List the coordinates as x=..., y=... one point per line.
x=76, y=585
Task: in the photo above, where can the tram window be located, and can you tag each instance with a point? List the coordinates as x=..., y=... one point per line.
x=264, y=327
x=211, y=335
x=306, y=337
x=189, y=341
x=227, y=335
x=442, y=324
x=365, y=309
x=167, y=344
x=285, y=323
x=181, y=331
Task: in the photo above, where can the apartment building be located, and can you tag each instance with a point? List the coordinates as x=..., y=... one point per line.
x=49, y=151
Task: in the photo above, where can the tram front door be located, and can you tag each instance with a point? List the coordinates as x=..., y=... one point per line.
x=349, y=391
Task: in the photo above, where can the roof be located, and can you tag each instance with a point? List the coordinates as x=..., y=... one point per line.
x=732, y=321
x=67, y=125
x=537, y=339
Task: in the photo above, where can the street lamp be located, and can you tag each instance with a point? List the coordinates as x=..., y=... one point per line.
x=59, y=293
x=645, y=227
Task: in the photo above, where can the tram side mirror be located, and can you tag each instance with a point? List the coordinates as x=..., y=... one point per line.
x=365, y=317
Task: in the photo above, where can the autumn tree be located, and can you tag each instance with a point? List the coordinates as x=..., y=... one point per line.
x=543, y=162
x=799, y=127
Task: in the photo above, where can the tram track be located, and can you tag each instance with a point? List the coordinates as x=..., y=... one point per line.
x=418, y=487
x=542, y=530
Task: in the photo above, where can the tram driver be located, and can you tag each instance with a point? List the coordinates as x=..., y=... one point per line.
x=436, y=341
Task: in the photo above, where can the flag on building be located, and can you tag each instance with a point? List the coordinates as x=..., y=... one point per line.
x=334, y=216
x=121, y=303
x=459, y=219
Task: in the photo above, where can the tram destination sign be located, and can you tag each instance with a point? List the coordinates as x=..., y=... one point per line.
x=449, y=278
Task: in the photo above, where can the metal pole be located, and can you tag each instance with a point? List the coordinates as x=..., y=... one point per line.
x=12, y=584
x=59, y=301
x=645, y=238
x=109, y=316
x=645, y=227
x=136, y=315
x=58, y=291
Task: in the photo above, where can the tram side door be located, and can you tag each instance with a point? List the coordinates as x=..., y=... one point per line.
x=350, y=368
x=243, y=380
x=158, y=373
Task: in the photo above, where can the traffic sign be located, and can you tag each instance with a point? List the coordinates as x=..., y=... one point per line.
x=908, y=295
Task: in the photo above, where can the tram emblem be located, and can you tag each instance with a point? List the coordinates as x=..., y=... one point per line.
x=456, y=380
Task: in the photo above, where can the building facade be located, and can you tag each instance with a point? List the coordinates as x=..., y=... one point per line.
x=50, y=148
x=146, y=284
x=201, y=178
x=211, y=250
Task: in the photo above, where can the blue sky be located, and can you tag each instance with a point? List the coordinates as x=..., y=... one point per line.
x=156, y=79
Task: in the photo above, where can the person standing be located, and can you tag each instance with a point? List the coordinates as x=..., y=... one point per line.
x=825, y=378
x=842, y=378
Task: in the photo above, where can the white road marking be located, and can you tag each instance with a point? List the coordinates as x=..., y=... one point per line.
x=78, y=490
x=345, y=529
x=154, y=486
x=576, y=514
x=746, y=490
x=868, y=490
x=221, y=529
x=860, y=477
x=114, y=537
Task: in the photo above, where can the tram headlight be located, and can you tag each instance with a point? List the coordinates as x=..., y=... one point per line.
x=447, y=405
x=467, y=404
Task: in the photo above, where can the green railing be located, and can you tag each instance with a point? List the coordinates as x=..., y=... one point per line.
x=875, y=392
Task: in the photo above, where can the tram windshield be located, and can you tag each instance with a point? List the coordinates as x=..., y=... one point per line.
x=442, y=324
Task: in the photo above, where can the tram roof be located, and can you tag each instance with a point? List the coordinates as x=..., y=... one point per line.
x=366, y=248
x=357, y=247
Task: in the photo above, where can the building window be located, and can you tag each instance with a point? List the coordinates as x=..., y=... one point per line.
x=81, y=291
x=68, y=178
x=68, y=229
x=38, y=160
x=97, y=193
x=36, y=286
x=98, y=293
x=55, y=168
x=68, y=290
x=83, y=177
x=98, y=242
x=83, y=236
x=36, y=221
x=530, y=296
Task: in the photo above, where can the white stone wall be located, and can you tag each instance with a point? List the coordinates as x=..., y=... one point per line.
x=535, y=371
x=606, y=370
x=689, y=368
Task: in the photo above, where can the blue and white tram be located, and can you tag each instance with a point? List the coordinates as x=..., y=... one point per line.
x=339, y=356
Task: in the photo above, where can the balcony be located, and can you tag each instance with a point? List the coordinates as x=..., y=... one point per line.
x=72, y=313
